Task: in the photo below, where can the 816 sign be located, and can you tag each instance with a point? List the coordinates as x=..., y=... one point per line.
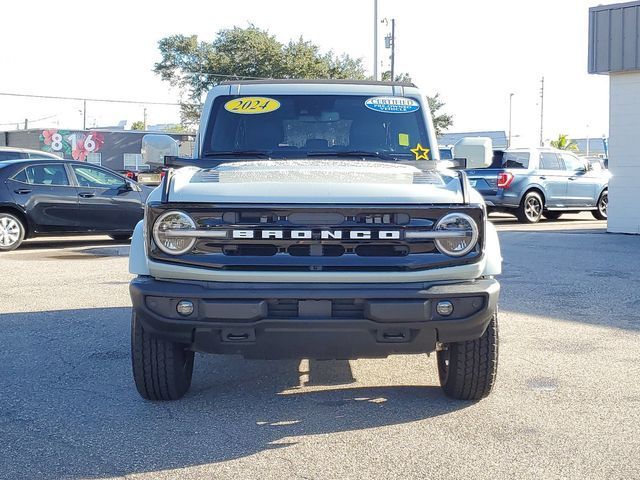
x=56, y=142
x=76, y=145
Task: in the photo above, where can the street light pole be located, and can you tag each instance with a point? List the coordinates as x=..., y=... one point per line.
x=542, y=112
x=587, y=139
x=393, y=48
x=510, y=109
x=375, y=39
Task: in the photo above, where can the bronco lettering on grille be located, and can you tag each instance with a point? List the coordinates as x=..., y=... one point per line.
x=322, y=234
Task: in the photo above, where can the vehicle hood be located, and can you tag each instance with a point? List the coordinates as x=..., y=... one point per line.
x=312, y=181
x=145, y=190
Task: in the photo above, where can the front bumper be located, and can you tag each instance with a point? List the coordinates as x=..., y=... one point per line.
x=326, y=321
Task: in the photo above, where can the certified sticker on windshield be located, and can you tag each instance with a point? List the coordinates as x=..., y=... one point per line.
x=252, y=105
x=392, y=104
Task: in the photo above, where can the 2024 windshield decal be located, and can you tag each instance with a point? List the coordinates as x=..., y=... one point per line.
x=252, y=105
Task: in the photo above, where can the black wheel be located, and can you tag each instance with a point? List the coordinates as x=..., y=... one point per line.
x=467, y=370
x=530, y=209
x=11, y=232
x=121, y=237
x=162, y=370
x=552, y=215
x=603, y=203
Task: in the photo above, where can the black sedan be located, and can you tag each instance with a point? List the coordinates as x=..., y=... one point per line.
x=63, y=197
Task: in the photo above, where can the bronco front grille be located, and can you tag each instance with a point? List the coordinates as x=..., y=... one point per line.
x=315, y=238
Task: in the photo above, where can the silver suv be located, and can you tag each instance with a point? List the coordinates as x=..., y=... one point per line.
x=314, y=223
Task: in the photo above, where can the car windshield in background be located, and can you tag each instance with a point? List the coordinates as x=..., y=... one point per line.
x=515, y=160
x=300, y=126
x=10, y=155
x=446, y=154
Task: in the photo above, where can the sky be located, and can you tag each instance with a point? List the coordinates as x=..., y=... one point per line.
x=475, y=54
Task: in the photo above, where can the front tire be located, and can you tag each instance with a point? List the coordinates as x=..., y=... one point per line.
x=530, y=209
x=162, y=370
x=603, y=204
x=467, y=370
x=12, y=232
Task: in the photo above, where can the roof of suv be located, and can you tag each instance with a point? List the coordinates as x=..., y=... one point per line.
x=331, y=81
x=538, y=149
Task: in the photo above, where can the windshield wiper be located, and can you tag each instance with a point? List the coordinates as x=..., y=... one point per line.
x=351, y=153
x=240, y=153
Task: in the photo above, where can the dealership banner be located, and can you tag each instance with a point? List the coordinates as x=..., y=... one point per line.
x=68, y=143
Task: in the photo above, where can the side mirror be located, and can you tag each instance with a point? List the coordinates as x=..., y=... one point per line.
x=459, y=163
x=477, y=150
x=126, y=187
x=156, y=147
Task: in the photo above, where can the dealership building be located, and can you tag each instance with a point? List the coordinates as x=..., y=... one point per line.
x=115, y=149
x=614, y=50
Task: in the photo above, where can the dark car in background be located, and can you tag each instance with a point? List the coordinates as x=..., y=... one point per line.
x=41, y=197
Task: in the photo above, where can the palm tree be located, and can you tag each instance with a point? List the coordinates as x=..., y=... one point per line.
x=564, y=143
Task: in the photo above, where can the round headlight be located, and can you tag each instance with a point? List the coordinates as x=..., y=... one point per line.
x=171, y=221
x=464, y=234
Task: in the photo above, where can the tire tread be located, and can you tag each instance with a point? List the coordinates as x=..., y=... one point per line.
x=473, y=365
x=157, y=371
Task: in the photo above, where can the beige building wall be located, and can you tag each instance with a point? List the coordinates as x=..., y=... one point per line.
x=624, y=153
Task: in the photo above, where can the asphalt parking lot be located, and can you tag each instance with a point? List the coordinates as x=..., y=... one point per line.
x=567, y=402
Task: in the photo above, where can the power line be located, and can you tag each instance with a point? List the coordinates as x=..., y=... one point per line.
x=106, y=100
x=114, y=100
x=137, y=102
x=30, y=121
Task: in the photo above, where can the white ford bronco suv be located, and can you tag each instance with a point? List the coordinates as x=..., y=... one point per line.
x=313, y=221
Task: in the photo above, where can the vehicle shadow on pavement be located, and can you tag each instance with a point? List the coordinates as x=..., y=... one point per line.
x=68, y=242
x=69, y=408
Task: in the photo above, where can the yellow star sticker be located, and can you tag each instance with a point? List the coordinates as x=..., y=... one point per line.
x=420, y=152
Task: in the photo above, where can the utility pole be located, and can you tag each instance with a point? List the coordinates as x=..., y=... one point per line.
x=375, y=39
x=26, y=123
x=390, y=43
x=510, y=105
x=587, y=139
x=541, y=111
x=393, y=48
x=144, y=116
x=84, y=114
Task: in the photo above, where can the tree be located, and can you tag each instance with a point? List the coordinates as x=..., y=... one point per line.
x=564, y=143
x=195, y=66
x=178, y=129
x=402, y=77
x=440, y=122
x=138, y=125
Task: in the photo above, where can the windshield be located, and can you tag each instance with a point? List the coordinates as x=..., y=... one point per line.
x=297, y=126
